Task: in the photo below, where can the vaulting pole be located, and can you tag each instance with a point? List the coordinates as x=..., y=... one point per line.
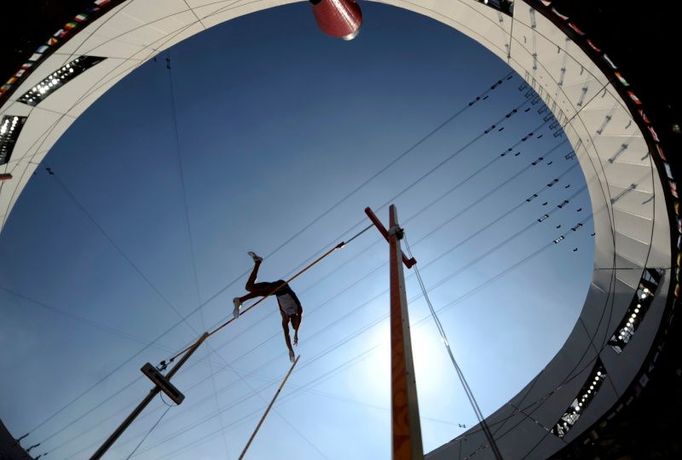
x=406, y=429
x=267, y=410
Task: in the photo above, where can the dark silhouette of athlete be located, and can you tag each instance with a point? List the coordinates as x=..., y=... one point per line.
x=289, y=306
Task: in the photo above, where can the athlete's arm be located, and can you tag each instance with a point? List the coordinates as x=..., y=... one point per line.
x=285, y=328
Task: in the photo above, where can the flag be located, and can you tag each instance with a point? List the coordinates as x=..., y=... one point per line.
x=634, y=97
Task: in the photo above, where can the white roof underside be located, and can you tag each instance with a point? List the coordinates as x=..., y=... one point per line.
x=630, y=218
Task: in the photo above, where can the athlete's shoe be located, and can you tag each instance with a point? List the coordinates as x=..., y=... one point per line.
x=237, y=303
x=255, y=257
x=292, y=356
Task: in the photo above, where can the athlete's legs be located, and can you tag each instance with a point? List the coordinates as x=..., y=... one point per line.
x=259, y=290
x=256, y=289
x=252, y=277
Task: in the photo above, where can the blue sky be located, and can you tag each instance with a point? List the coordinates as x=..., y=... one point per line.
x=276, y=125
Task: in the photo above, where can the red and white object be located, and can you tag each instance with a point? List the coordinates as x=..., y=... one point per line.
x=338, y=18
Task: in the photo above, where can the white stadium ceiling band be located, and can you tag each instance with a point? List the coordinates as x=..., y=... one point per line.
x=635, y=282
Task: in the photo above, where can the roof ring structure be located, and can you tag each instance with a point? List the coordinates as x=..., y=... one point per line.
x=632, y=190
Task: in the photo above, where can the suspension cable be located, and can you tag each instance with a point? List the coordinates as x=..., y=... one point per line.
x=460, y=374
x=149, y=432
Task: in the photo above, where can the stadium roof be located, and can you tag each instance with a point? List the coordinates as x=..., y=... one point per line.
x=618, y=140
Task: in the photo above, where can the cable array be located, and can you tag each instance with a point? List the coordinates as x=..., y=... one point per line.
x=184, y=318
x=329, y=210
x=336, y=345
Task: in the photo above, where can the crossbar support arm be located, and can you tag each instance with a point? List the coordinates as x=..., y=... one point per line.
x=375, y=220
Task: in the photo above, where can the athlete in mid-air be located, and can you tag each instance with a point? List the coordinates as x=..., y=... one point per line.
x=289, y=306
